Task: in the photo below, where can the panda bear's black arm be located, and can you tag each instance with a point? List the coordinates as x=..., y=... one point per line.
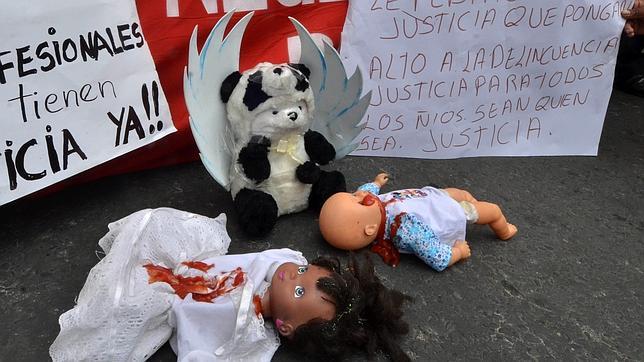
x=308, y=172
x=318, y=148
x=254, y=159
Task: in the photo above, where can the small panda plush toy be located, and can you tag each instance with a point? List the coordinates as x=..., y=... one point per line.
x=263, y=133
x=276, y=157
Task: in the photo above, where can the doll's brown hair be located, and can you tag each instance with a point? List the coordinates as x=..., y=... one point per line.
x=368, y=314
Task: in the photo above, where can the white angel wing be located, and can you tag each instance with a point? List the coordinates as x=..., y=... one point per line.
x=339, y=107
x=201, y=83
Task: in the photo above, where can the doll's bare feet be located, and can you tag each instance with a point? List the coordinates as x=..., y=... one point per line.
x=511, y=231
x=460, y=251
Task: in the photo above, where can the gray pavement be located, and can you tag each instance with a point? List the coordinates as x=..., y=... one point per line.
x=569, y=286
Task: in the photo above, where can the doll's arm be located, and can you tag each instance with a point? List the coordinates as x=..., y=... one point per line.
x=377, y=183
x=318, y=148
x=371, y=187
x=254, y=159
x=381, y=179
x=416, y=237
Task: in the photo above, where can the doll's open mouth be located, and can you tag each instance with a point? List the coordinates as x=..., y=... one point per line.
x=281, y=275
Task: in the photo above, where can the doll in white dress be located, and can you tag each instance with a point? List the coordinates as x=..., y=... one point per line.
x=165, y=277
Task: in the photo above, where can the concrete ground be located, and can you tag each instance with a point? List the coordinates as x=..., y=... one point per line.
x=569, y=286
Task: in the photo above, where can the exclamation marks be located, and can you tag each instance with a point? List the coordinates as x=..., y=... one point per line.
x=145, y=96
x=128, y=119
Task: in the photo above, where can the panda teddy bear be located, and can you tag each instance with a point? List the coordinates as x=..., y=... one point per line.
x=276, y=157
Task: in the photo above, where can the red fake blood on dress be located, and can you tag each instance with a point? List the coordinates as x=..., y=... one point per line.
x=202, y=289
x=381, y=246
x=199, y=265
x=385, y=247
x=239, y=277
x=257, y=301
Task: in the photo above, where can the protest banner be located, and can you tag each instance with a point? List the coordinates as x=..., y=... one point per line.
x=78, y=88
x=465, y=78
x=84, y=83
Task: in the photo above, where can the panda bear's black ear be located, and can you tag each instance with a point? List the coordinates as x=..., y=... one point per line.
x=302, y=77
x=228, y=86
x=302, y=68
x=255, y=95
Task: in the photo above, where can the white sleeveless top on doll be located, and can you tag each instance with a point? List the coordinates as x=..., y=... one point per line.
x=120, y=316
x=432, y=206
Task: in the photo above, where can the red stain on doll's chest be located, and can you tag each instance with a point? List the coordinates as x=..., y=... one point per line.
x=257, y=301
x=203, y=289
x=385, y=247
x=381, y=245
x=199, y=265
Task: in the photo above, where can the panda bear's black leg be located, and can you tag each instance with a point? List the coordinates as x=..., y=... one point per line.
x=256, y=210
x=328, y=184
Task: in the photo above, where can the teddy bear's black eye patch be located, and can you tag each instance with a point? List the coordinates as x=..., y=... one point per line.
x=300, y=107
x=274, y=112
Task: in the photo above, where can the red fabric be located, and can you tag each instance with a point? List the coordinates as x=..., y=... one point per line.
x=265, y=40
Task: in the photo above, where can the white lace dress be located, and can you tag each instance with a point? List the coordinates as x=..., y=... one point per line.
x=120, y=316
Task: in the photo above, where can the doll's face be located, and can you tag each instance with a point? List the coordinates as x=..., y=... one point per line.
x=350, y=221
x=295, y=298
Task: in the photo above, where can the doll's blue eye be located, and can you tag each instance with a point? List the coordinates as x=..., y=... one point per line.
x=299, y=292
x=302, y=269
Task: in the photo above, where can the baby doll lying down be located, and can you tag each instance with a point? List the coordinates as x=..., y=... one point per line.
x=165, y=276
x=427, y=222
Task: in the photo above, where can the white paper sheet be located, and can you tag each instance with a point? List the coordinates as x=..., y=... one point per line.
x=464, y=78
x=78, y=87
